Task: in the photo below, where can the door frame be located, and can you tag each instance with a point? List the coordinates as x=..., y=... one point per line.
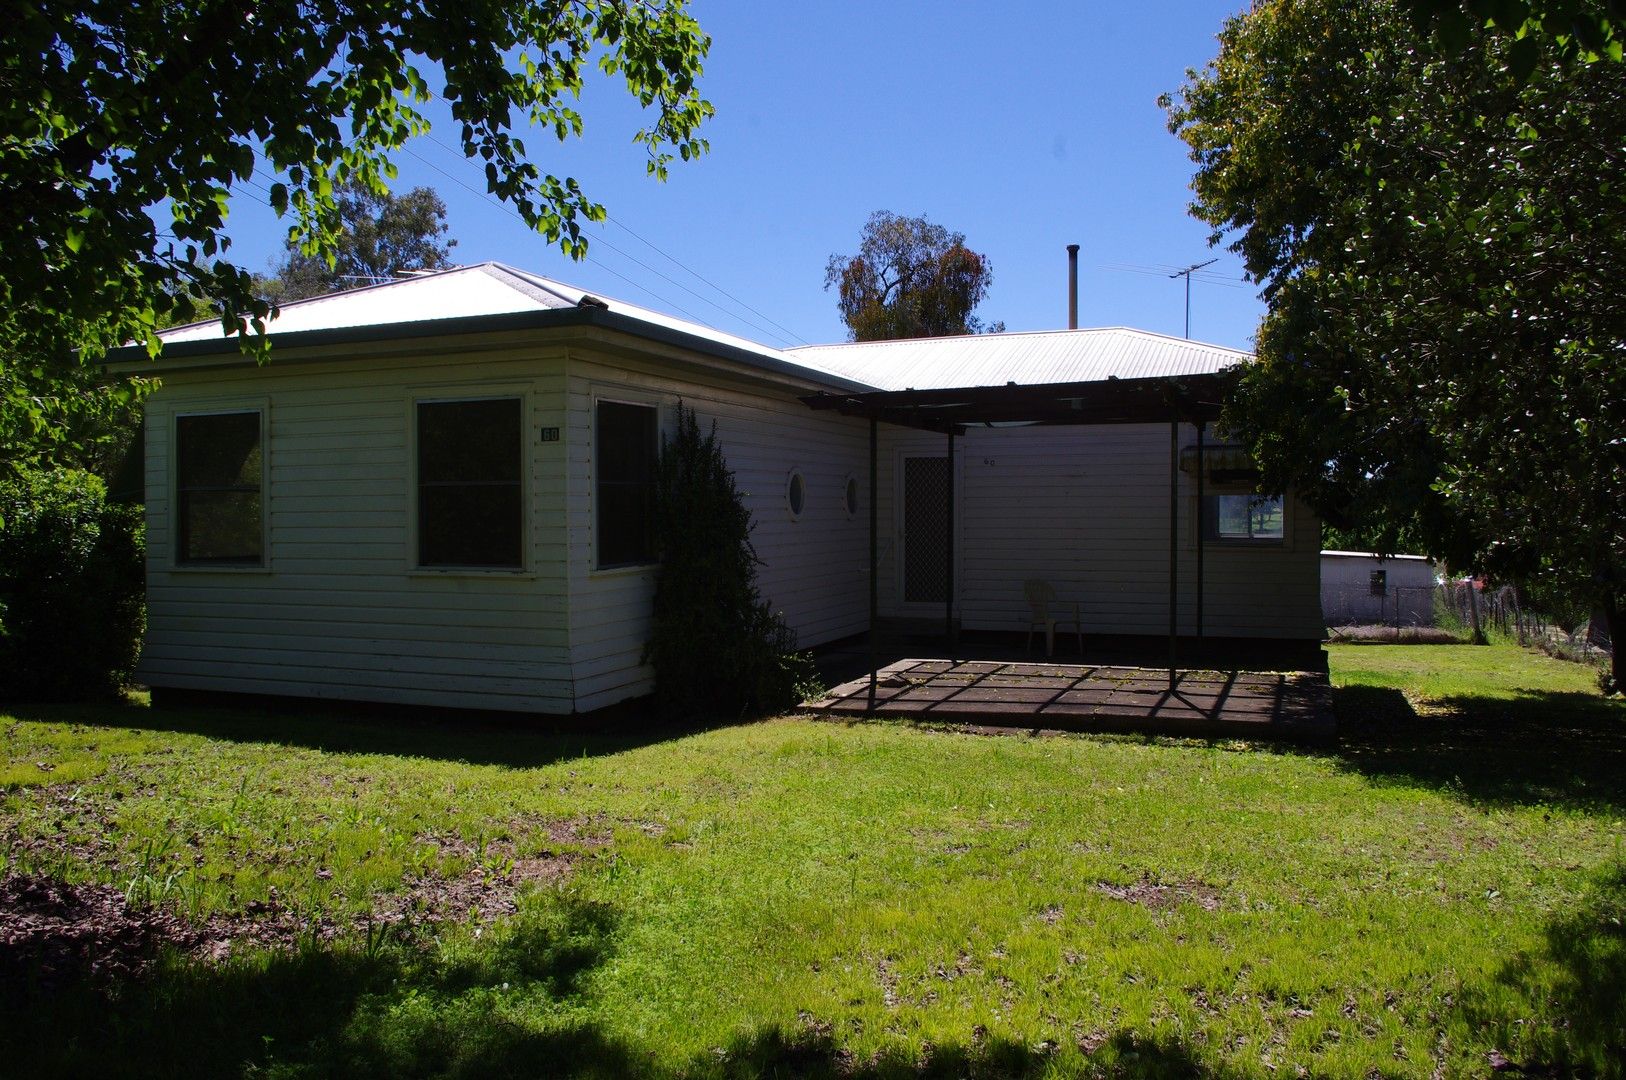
x=929, y=608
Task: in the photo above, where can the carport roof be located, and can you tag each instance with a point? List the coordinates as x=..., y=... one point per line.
x=1191, y=398
x=1046, y=356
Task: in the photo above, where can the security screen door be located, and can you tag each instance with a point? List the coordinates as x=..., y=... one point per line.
x=925, y=529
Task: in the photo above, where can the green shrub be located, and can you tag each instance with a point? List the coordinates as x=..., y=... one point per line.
x=72, y=593
x=717, y=647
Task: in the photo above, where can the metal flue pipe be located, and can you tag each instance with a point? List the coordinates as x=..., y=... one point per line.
x=1072, y=286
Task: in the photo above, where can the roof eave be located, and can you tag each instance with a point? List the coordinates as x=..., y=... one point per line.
x=134, y=357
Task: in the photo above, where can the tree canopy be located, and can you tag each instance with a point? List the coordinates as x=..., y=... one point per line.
x=382, y=236
x=125, y=129
x=1438, y=240
x=910, y=279
x=1574, y=29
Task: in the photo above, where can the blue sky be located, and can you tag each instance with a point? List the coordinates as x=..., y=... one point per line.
x=1025, y=127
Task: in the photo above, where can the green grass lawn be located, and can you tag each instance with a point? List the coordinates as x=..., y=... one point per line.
x=1444, y=886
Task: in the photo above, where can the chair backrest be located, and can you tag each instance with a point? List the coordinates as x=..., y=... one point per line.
x=1040, y=594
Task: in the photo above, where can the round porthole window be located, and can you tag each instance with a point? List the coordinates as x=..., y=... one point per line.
x=850, y=497
x=795, y=493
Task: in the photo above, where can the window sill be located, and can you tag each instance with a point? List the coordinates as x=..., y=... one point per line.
x=511, y=573
x=216, y=568
x=1247, y=545
x=622, y=571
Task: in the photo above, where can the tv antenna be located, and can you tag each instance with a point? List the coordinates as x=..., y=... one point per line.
x=1186, y=273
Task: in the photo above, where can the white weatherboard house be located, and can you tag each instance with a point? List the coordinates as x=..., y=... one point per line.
x=437, y=492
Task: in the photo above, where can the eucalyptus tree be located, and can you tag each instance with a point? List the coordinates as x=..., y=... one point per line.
x=910, y=279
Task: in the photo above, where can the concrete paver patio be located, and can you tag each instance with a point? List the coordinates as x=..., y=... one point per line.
x=1084, y=697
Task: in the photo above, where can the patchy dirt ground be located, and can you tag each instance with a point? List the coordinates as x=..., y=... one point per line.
x=57, y=931
x=1157, y=895
x=1379, y=634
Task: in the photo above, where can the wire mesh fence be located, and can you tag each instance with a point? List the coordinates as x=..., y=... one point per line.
x=1363, y=605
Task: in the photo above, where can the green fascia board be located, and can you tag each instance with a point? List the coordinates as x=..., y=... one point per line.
x=558, y=318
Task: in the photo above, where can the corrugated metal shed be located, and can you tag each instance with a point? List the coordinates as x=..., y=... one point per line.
x=1055, y=356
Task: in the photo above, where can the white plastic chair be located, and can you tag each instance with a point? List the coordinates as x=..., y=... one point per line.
x=1040, y=596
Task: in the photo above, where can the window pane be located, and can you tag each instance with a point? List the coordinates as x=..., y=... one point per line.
x=624, y=465
x=1232, y=518
x=625, y=525
x=218, y=469
x=221, y=527
x=1265, y=519
x=797, y=494
x=626, y=443
x=218, y=451
x=469, y=440
x=469, y=526
x=1242, y=517
x=470, y=461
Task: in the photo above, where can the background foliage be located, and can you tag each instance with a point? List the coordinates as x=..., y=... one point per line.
x=381, y=236
x=718, y=648
x=1438, y=237
x=72, y=589
x=124, y=129
x=910, y=279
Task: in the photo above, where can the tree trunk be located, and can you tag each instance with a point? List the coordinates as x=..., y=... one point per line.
x=1615, y=620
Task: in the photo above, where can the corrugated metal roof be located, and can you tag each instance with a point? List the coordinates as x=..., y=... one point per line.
x=488, y=288
x=1053, y=356
x=492, y=288
x=484, y=289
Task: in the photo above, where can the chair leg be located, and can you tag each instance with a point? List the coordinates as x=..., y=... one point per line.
x=1050, y=638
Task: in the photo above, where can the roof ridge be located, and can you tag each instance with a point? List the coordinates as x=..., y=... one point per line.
x=535, y=286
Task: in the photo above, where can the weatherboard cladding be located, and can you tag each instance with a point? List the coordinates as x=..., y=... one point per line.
x=340, y=612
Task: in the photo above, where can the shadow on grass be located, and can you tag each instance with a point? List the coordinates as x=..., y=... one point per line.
x=390, y=1010
x=809, y=1053
x=1578, y=978
x=473, y=738
x=1560, y=749
x=504, y=1006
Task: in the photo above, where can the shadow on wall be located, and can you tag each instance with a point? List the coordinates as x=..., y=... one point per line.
x=1560, y=749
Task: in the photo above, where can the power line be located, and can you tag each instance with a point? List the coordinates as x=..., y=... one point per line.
x=788, y=335
x=791, y=335
x=515, y=215
x=782, y=332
